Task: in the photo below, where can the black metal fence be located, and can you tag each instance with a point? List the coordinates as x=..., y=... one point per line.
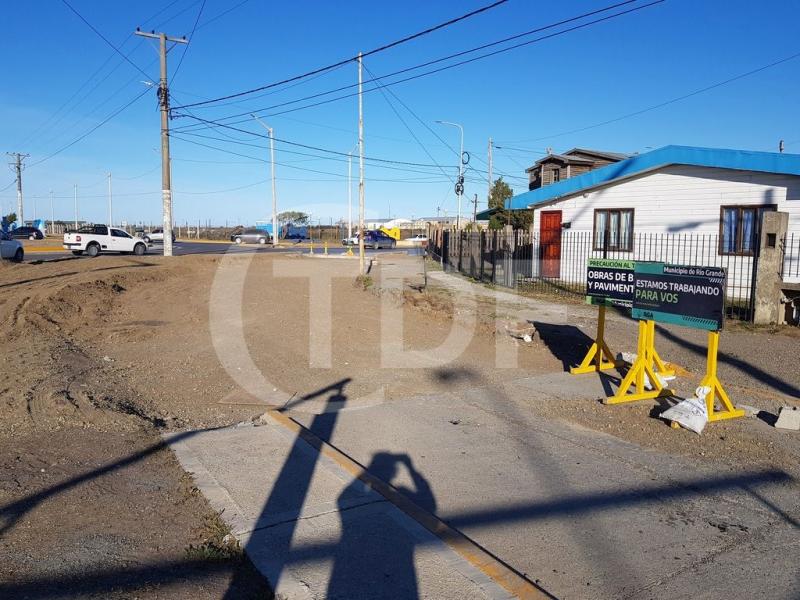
x=557, y=263
x=790, y=247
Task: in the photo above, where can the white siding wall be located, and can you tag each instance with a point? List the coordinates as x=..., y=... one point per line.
x=682, y=200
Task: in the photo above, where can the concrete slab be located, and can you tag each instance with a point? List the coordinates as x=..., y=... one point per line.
x=313, y=530
x=586, y=514
x=788, y=418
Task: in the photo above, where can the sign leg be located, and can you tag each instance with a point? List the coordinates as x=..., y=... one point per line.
x=728, y=411
x=641, y=367
x=658, y=365
x=599, y=357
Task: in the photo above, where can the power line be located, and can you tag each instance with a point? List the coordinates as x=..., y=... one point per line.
x=450, y=66
x=222, y=14
x=88, y=92
x=668, y=102
x=339, y=175
x=105, y=39
x=92, y=130
x=309, y=147
x=334, y=158
x=425, y=149
x=191, y=37
x=348, y=60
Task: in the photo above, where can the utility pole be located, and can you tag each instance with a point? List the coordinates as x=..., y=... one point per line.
x=76, y=206
x=163, y=100
x=110, y=214
x=17, y=167
x=52, y=215
x=475, y=209
x=349, y=195
x=460, y=182
x=350, y=192
x=361, y=255
x=489, y=196
x=274, y=193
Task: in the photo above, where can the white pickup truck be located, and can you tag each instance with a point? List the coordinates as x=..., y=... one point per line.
x=94, y=239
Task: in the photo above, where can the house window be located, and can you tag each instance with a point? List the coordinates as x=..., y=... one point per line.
x=556, y=175
x=614, y=227
x=738, y=228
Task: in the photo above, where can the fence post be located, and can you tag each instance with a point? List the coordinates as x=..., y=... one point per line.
x=481, y=248
x=765, y=293
x=494, y=256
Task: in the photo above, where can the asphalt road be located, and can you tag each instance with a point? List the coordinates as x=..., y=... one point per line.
x=184, y=248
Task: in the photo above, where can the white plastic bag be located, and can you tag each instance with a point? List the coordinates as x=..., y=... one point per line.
x=690, y=413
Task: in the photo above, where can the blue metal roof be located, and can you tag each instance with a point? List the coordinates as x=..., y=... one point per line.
x=742, y=160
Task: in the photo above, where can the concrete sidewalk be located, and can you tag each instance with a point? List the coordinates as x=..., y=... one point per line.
x=316, y=532
x=583, y=514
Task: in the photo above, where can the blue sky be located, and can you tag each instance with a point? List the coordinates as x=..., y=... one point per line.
x=522, y=98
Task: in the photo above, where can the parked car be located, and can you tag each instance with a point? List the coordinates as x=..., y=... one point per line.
x=10, y=248
x=377, y=239
x=156, y=235
x=251, y=236
x=94, y=239
x=29, y=233
x=350, y=241
x=420, y=237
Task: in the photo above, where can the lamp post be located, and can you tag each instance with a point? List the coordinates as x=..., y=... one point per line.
x=460, y=182
x=274, y=194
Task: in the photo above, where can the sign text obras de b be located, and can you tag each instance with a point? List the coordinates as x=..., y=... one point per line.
x=610, y=281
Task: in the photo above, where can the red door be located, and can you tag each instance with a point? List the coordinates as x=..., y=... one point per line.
x=550, y=236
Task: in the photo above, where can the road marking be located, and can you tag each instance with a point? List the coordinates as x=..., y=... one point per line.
x=43, y=249
x=504, y=575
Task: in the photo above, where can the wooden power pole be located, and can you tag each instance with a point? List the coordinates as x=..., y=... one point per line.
x=163, y=101
x=361, y=255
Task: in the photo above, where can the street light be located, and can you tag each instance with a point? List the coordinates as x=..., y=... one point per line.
x=460, y=182
x=274, y=196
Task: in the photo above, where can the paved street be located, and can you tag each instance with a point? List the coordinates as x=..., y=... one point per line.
x=185, y=248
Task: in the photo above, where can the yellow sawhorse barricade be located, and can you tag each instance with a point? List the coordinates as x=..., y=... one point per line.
x=692, y=296
x=728, y=411
x=646, y=371
x=599, y=357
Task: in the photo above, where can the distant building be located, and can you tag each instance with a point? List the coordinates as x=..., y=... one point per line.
x=558, y=167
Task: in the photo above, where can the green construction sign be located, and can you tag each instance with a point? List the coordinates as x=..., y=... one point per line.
x=610, y=281
x=684, y=295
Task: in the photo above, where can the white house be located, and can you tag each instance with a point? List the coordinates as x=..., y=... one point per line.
x=698, y=205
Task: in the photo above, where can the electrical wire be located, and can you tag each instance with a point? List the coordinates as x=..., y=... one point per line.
x=348, y=60
x=309, y=147
x=186, y=46
x=334, y=158
x=668, y=102
x=264, y=160
x=424, y=148
x=92, y=130
x=444, y=68
x=222, y=14
x=105, y=39
x=90, y=91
